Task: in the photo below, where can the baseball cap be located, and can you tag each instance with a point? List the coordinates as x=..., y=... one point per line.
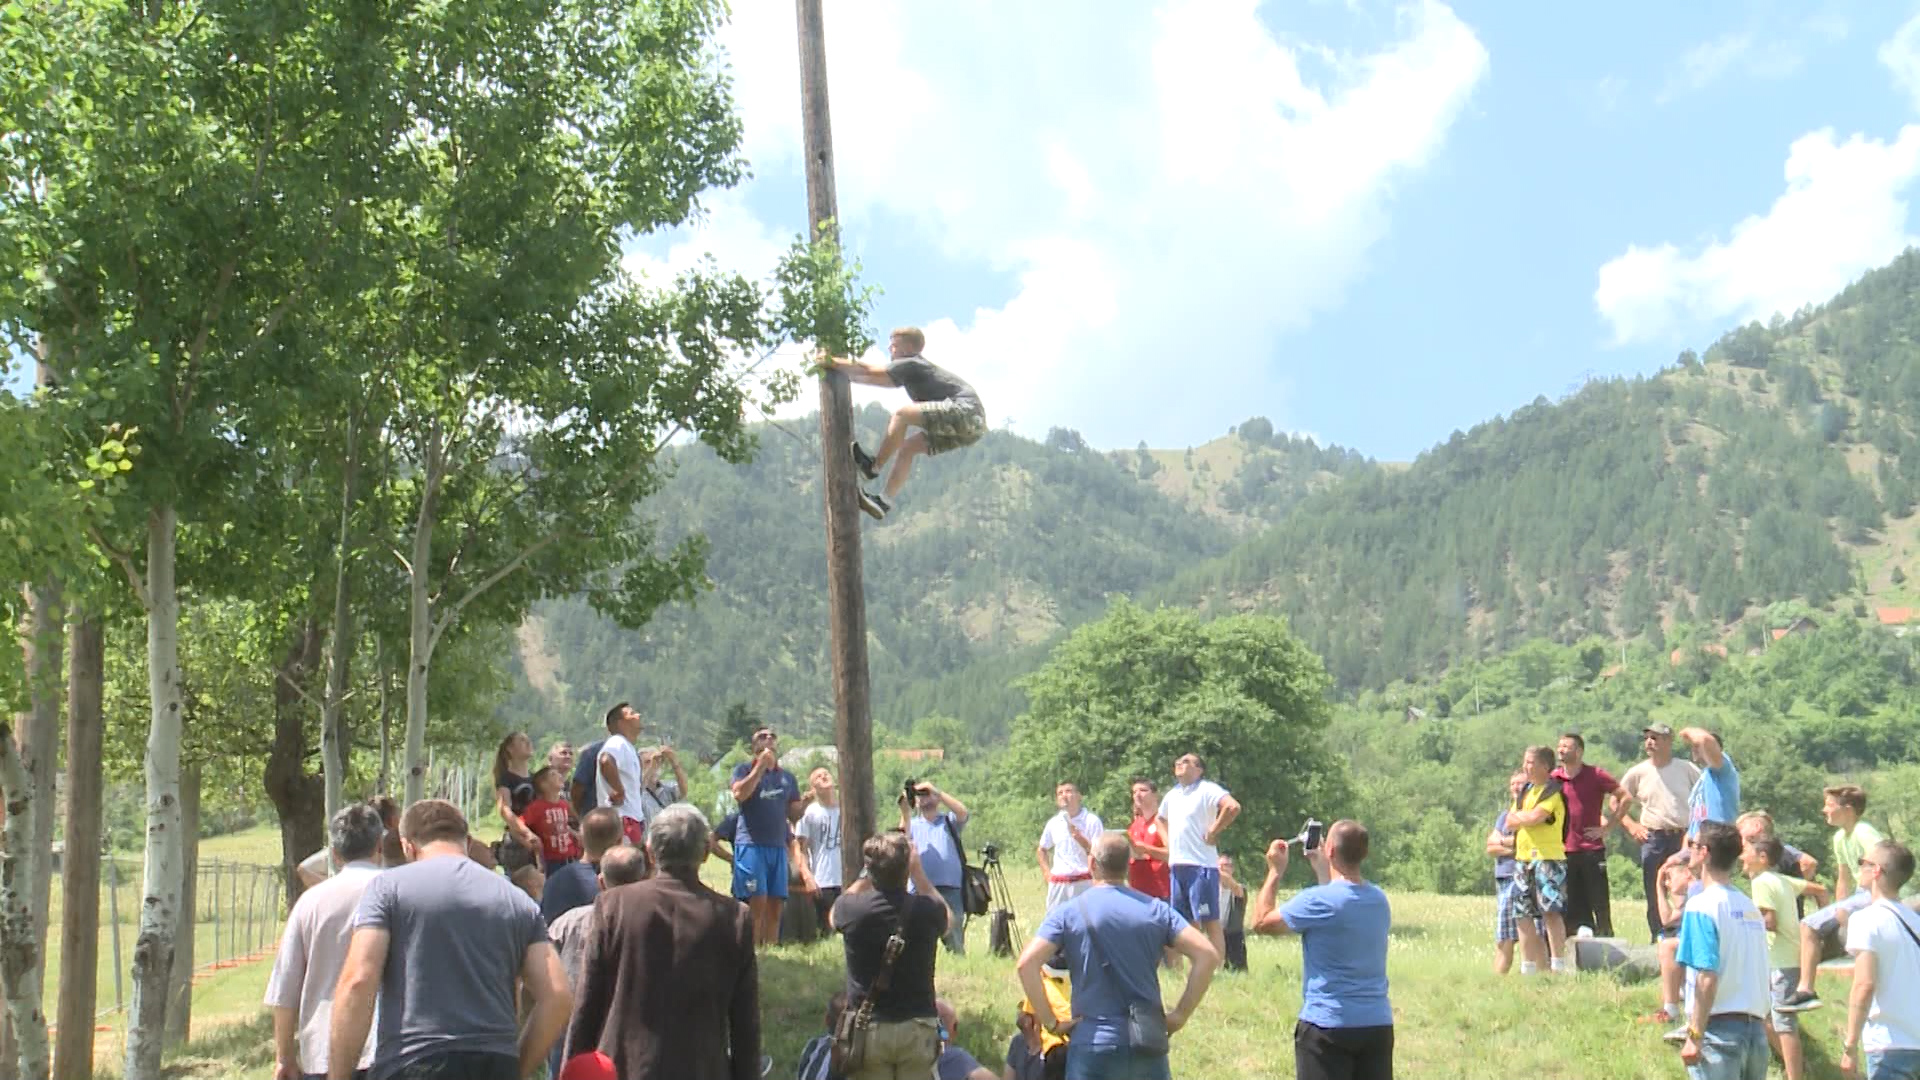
x=1657, y=729
x=592, y=1065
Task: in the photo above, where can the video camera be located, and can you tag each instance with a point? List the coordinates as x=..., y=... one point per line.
x=989, y=854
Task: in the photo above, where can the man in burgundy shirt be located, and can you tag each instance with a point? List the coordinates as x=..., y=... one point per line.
x=1147, y=868
x=1586, y=788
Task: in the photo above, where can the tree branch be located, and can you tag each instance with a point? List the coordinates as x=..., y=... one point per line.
x=126, y=564
x=298, y=689
x=452, y=613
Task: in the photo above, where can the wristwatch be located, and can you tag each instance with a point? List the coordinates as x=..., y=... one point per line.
x=1695, y=1034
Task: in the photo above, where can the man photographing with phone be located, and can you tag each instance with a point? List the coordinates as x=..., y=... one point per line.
x=1346, y=1021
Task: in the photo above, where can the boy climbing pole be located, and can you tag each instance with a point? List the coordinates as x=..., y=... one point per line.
x=945, y=409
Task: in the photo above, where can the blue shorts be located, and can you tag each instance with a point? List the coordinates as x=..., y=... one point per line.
x=759, y=870
x=1196, y=893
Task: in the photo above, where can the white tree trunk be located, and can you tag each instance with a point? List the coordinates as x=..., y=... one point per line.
x=160, y=903
x=40, y=745
x=333, y=757
x=420, y=635
x=20, y=976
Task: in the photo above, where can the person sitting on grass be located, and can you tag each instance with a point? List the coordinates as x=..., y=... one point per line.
x=1678, y=883
x=945, y=409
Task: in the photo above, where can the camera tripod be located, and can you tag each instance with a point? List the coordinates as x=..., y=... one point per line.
x=1002, y=925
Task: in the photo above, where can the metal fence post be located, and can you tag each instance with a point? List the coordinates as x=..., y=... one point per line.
x=213, y=893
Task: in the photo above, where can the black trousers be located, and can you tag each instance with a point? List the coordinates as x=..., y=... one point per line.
x=1357, y=1053
x=1236, y=952
x=1587, y=901
x=823, y=906
x=1653, y=855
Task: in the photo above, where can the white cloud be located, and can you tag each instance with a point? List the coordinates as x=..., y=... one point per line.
x=1844, y=212
x=1731, y=54
x=1901, y=55
x=1166, y=190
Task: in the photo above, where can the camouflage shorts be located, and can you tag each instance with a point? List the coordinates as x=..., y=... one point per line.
x=951, y=425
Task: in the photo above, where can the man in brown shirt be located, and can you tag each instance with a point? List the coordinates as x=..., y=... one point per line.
x=668, y=986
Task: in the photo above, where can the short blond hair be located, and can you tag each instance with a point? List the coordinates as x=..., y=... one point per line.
x=912, y=335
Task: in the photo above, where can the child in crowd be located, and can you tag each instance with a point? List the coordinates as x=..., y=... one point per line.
x=550, y=818
x=528, y=879
x=1233, y=909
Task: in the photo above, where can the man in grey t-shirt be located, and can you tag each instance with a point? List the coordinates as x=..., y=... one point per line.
x=440, y=943
x=945, y=409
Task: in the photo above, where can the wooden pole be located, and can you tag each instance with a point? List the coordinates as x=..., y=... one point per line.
x=847, y=604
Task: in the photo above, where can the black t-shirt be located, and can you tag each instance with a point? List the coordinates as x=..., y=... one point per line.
x=519, y=791
x=924, y=380
x=866, y=920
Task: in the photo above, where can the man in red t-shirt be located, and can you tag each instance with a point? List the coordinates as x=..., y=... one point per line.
x=1147, y=869
x=549, y=816
x=1586, y=788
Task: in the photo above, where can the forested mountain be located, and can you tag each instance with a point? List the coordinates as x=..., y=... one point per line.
x=1781, y=465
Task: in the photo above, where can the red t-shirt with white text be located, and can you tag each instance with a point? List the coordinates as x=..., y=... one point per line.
x=548, y=820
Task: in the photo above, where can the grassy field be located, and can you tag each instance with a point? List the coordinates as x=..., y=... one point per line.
x=1454, y=1018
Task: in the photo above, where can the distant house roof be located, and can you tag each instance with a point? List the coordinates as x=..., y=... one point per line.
x=1894, y=616
x=1779, y=632
x=1608, y=673
x=935, y=754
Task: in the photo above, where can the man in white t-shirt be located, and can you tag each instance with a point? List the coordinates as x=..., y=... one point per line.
x=1065, y=844
x=1723, y=946
x=1193, y=813
x=313, y=948
x=618, y=784
x=819, y=833
x=1883, y=1012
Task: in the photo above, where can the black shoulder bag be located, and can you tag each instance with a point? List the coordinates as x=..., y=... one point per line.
x=850, y=1034
x=976, y=891
x=1146, y=1020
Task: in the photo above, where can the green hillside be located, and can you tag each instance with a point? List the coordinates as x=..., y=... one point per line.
x=1780, y=466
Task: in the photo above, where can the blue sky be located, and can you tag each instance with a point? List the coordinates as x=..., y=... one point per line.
x=1372, y=222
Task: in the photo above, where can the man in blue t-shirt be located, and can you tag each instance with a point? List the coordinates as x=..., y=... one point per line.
x=935, y=831
x=1716, y=795
x=1113, y=938
x=769, y=799
x=1346, y=1022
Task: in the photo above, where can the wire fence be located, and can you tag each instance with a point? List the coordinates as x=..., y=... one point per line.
x=238, y=911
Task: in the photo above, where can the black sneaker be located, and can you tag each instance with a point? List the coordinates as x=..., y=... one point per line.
x=874, y=505
x=865, y=461
x=1799, y=1001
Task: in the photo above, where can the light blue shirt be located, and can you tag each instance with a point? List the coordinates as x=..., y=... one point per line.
x=1343, y=944
x=1133, y=931
x=1715, y=796
x=939, y=857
